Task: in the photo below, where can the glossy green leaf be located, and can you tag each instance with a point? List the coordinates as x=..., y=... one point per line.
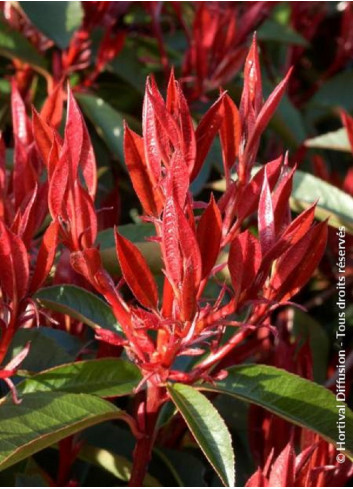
x=14, y=45
x=57, y=20
x=44, y=418
x=104, y=377
x=106, y=120
x=79, y=304
x=336, y=140
x=208, y=428
x=289, y=396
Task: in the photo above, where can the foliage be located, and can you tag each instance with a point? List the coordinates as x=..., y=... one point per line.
x=152, y=286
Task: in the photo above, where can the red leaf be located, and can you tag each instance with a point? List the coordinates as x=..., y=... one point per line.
x=58, y=187
x=281, y=195
x=2, y=178
x=298, y=263
x=282, y=471
x=230, y=132
x=45, y=256
x=161, y=113
x=347, y=121
x=136, y=272
x=148, y=195
x=52, y=110
x=43, y=136
x=82, y=217
x=206, y=132
x=79, y=145
x=150, y=139
x=266, y=113
x=170, y=243
x=244, y=262
x=294, y=232
x=250, y=194
x=188, y=244
x=209, y=235
x=251, y=99
x=14, y=267
x=178, y=183
x=178, y=107
x=21, y=125
x=258, y=479
x=266, y=218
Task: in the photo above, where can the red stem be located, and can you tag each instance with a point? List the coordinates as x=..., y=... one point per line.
x=147, y=419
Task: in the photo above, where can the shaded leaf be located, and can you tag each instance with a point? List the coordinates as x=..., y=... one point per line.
x=79, y=304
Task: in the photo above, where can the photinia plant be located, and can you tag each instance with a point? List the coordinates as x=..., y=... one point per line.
x=164, y=340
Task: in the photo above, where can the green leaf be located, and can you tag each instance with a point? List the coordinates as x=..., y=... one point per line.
x=113, y=463
x=35, y=480
x=208, y=428
x=137, y=233
x=271, y=30
x=333, y=202
x=129, y=68
x=336, y=92
x=105, y=377
x=186, y=469
x=289, y=396
x=336, y=140
x=79, y=304
x=14, y=45
x=49, y=348
x=57, y=20
x=44, y=418
x=106, y=120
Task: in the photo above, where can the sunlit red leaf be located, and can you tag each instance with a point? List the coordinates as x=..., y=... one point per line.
x=79, y=145
x=206, y=132
x=149, y=195
x=244, y=261
x=45, y=257
x=266, y=222
x=136, y=272
x=52, y=110
x=43, y=136
x=170, y=242
x=282, y=471
x=298, y=263
x=14, y=266
x=251, y=99
x=230, y=132
x=258, y=479
x=209, y=235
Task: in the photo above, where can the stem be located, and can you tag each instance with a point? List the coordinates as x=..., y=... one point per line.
x=147, y=420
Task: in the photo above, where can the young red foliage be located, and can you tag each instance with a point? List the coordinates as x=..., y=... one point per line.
x=136, y=272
